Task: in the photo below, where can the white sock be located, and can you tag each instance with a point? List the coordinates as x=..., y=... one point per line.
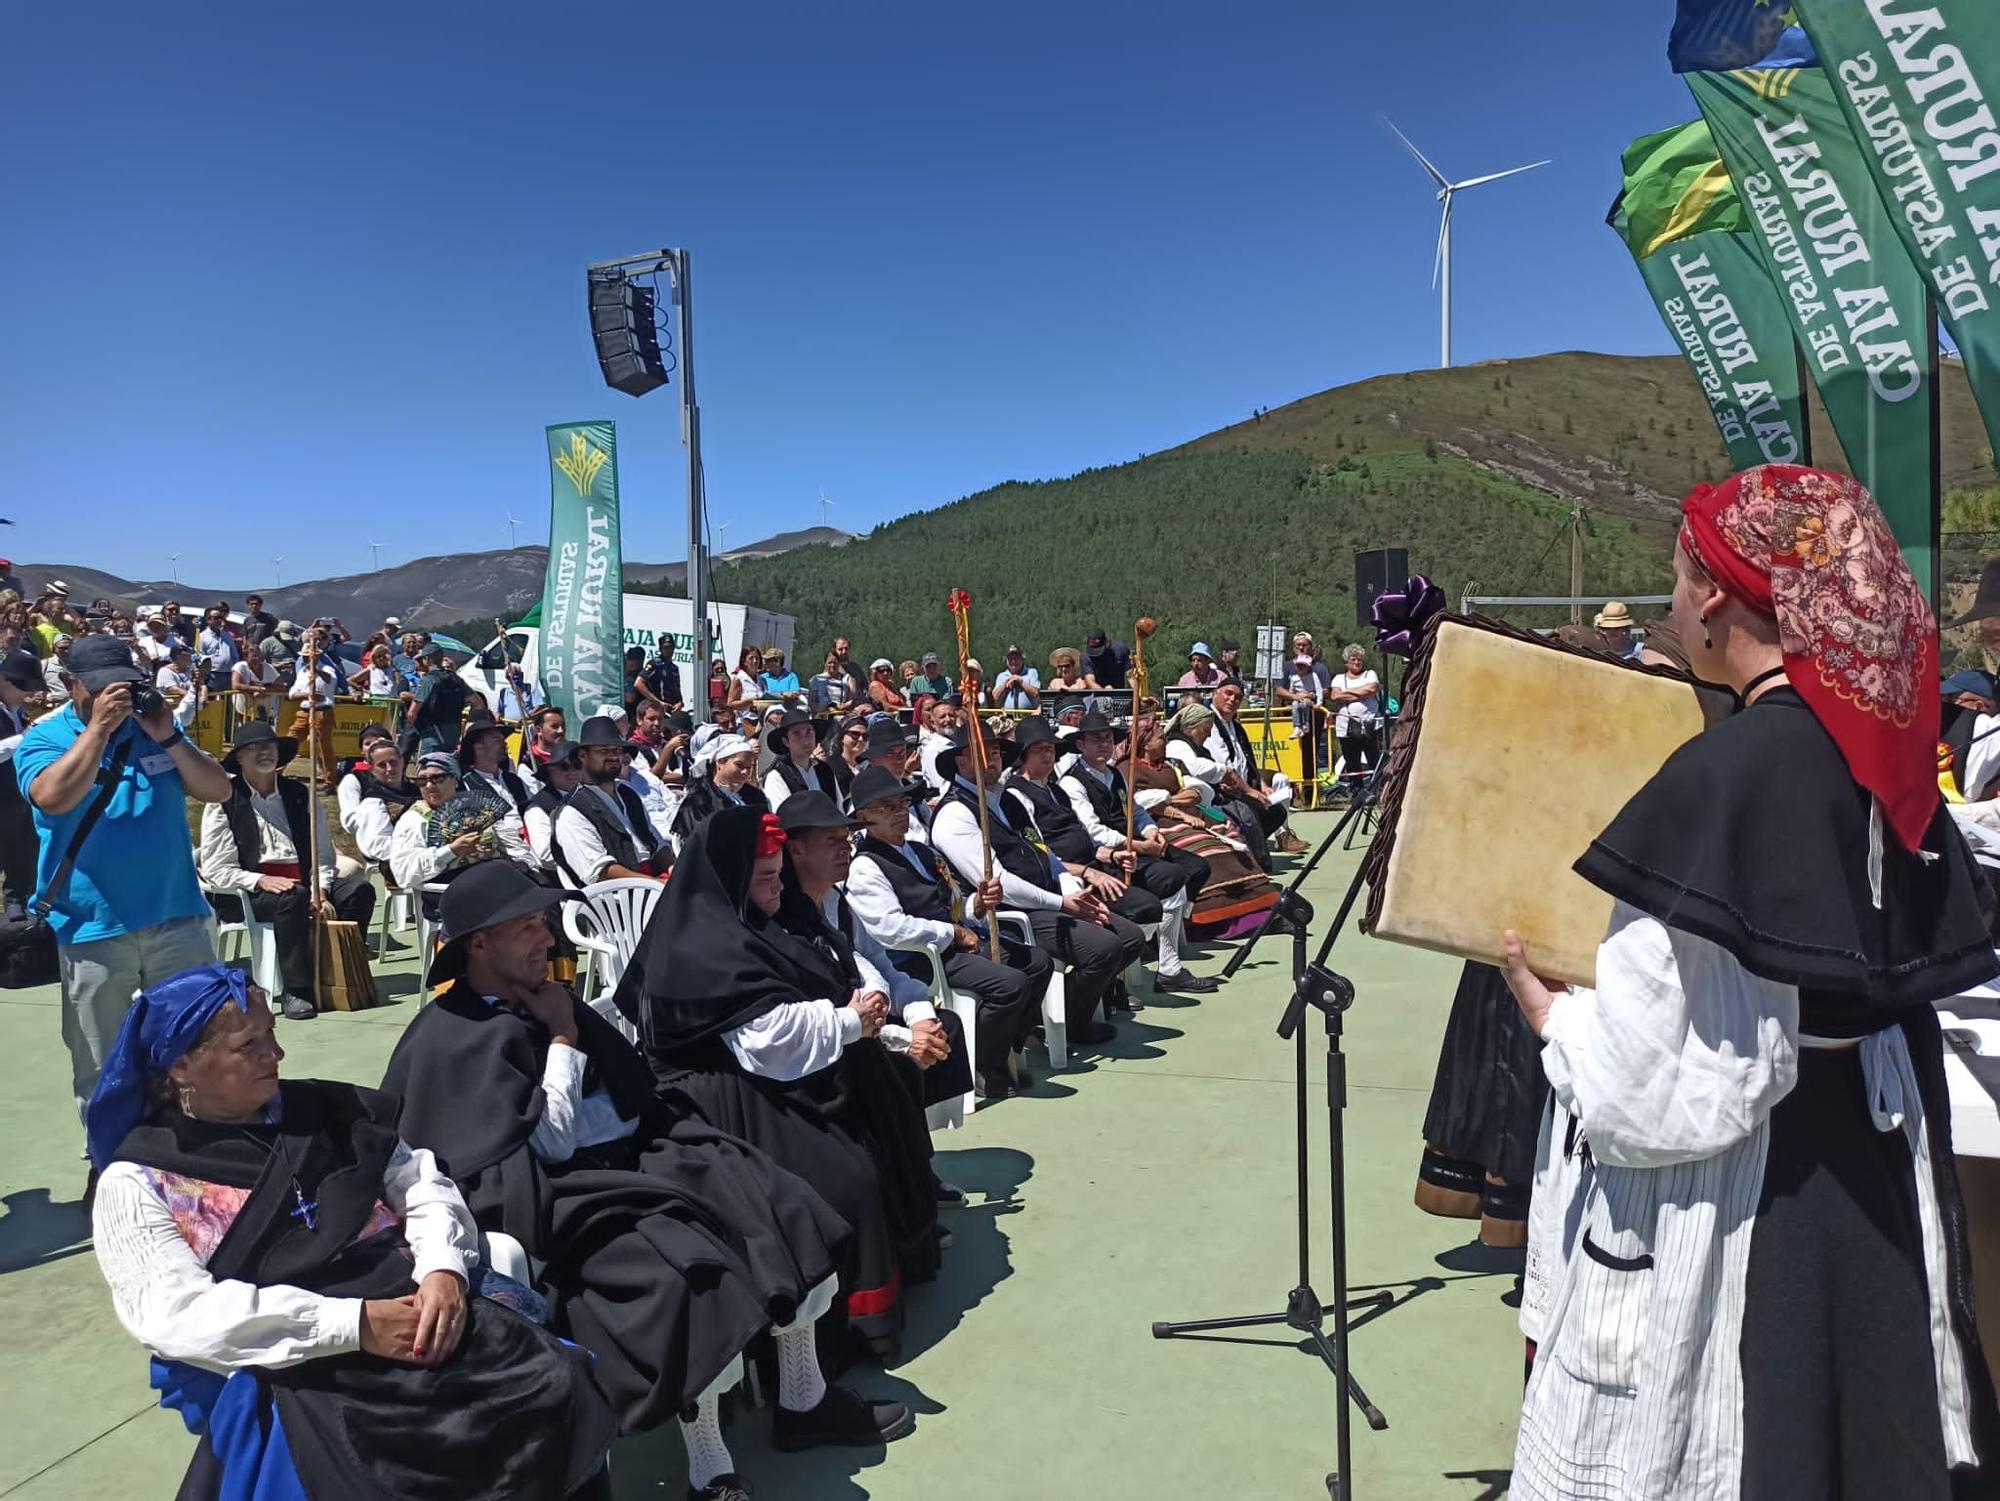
x=1170, y=936
x=708, y=1455
x=801, y=1386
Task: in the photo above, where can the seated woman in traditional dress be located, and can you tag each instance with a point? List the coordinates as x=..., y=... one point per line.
x=1237, y=895
x=1769, y=1295
x=282, y=1236
x=776, y=1042
x=668, y=1246
x=724, y=775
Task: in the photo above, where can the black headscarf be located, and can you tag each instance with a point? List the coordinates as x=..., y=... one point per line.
x=710, y=959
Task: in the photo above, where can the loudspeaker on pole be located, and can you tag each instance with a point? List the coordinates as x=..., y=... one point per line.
x=1376, y=571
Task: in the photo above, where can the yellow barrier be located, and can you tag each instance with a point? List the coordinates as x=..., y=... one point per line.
x=215, y=724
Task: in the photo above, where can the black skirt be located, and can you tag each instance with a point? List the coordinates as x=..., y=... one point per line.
x=676, y=1249
x=868, y=1156
x=1486, y=1100
x=1839, y=1388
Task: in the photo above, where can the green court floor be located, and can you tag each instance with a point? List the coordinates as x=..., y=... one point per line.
x=1152, y=1181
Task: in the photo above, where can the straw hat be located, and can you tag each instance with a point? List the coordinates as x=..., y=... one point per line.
x=1613, y=617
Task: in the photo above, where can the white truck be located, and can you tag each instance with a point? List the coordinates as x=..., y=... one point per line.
x=647, y=617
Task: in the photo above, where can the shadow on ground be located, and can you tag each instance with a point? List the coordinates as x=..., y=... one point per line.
x=37, y=1229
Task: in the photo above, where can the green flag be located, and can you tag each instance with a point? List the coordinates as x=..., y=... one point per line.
x=582, y=611
x=1857, y=303
x=1680, y=217
x=1920, y=86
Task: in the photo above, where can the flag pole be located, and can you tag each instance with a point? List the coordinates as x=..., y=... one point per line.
x=1141, y=631
x=1936, y=529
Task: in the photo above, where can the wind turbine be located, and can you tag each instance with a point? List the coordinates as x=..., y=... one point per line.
x=1441, y=266
x=278, y=571
x=823, y=504
x=375, y=557
x=721, y=537
x=173, y=566
x=511, y=524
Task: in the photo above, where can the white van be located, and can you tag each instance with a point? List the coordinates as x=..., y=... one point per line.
x=647, y=617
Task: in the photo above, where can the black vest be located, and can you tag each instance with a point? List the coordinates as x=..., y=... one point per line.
x=930, y=899
x=1108, y=803
x=551, y=802
x=1058, y=822
x=622, y=845
x=1233, y=734
x=398, y=800
x=514, y=791
x=242, y=820
x=1018, y=855
x=794, y=778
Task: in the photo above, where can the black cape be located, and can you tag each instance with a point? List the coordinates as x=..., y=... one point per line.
x=702, y=800
x=1755, y=837
x=511, y=1414
x=666, y=1252
x=709, y=961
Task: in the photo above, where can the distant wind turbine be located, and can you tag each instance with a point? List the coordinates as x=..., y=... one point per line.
x=278, y=570
x=1441, y=266
x=721, y=536
x=823, y=504
x=375, y=557
x=511, y=524
x=173, y=566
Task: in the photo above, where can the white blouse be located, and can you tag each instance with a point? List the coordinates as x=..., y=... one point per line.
x=166, y=1300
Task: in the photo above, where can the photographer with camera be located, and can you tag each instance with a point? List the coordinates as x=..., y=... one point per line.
x=107, y=780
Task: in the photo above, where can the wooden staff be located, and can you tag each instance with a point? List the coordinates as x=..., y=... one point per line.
x=960, y=605
x=312, y=820
x=1140, y=632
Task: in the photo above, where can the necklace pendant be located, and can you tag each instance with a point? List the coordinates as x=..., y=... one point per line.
x=307, y=1210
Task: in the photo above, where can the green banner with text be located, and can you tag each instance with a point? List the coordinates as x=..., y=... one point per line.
x=582, y=660
x=1856, y=301
x=1920, y=85
x=1680, y=216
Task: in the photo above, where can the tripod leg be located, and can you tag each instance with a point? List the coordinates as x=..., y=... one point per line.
x=1359, y=1397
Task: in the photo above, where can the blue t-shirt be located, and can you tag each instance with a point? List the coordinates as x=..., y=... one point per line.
x=777, y=685
x=136, y=869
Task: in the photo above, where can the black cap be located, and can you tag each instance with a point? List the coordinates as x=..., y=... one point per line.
x=488, y=894
x=812, y=810
x=1000, y=753
x=872, y=784
x=1093, y=720
x=99, y=661
x=598, y=730
x=259, y=732
x=885, y=734
x=24, y=672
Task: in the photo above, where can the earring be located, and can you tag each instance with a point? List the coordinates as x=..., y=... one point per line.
x=187, y=1099
x=1704, y=634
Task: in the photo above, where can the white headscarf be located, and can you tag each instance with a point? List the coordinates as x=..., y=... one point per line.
x=720, y=746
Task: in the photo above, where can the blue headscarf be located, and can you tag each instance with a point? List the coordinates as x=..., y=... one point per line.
x=163, y=1024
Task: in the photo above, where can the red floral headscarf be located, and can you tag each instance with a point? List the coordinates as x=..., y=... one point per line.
x=770, y=836
x=1813, y=551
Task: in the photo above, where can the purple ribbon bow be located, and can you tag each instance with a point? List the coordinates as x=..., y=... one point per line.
x=1400, y=617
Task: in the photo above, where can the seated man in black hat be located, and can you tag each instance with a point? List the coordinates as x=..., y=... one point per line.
x=819, y=852
x=1071, y=921
x=1148, y=865
x=483, y=765
x=255, y=846
x=562, y=774
x=669, y=1245
x=603, y=832
x=906, y=897
x=793, y=739
x=894, y=749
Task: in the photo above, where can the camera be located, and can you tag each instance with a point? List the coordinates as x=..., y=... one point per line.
x=146, y=700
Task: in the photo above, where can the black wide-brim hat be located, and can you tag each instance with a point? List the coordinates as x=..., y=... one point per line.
x=1000, y=753
x=488, y=894
x=774, y=737
x=257, y=732
x=1985, y=603
x=472, y=731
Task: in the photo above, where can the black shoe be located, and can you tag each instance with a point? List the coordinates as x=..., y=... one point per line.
x=841, y=1418
x=1091, y=1031
x=1187, y=984
x=723, y=1488
x=298, y=1009
x=949, y=1195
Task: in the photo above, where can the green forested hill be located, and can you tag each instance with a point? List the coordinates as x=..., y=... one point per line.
x=1472, y=469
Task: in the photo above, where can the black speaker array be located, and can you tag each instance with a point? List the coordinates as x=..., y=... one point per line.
x=628, y=342
x=1375, y=571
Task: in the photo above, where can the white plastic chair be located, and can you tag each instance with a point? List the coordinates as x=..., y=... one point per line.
x=605, y=927
x=949, y=1115
x=426, y=935
x=396, y=911
x=1054, y=1025
x=259, y=943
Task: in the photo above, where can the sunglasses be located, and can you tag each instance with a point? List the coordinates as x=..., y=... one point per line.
x=435, y=776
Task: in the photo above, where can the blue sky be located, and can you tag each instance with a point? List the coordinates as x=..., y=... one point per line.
x=291, y=279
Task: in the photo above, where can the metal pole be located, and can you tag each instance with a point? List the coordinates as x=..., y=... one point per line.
x=1934, y=530
x=1444, y=268
x=691, y=440
x=1575, y=564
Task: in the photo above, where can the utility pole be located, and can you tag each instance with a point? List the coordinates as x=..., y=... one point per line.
x=1575, y=565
